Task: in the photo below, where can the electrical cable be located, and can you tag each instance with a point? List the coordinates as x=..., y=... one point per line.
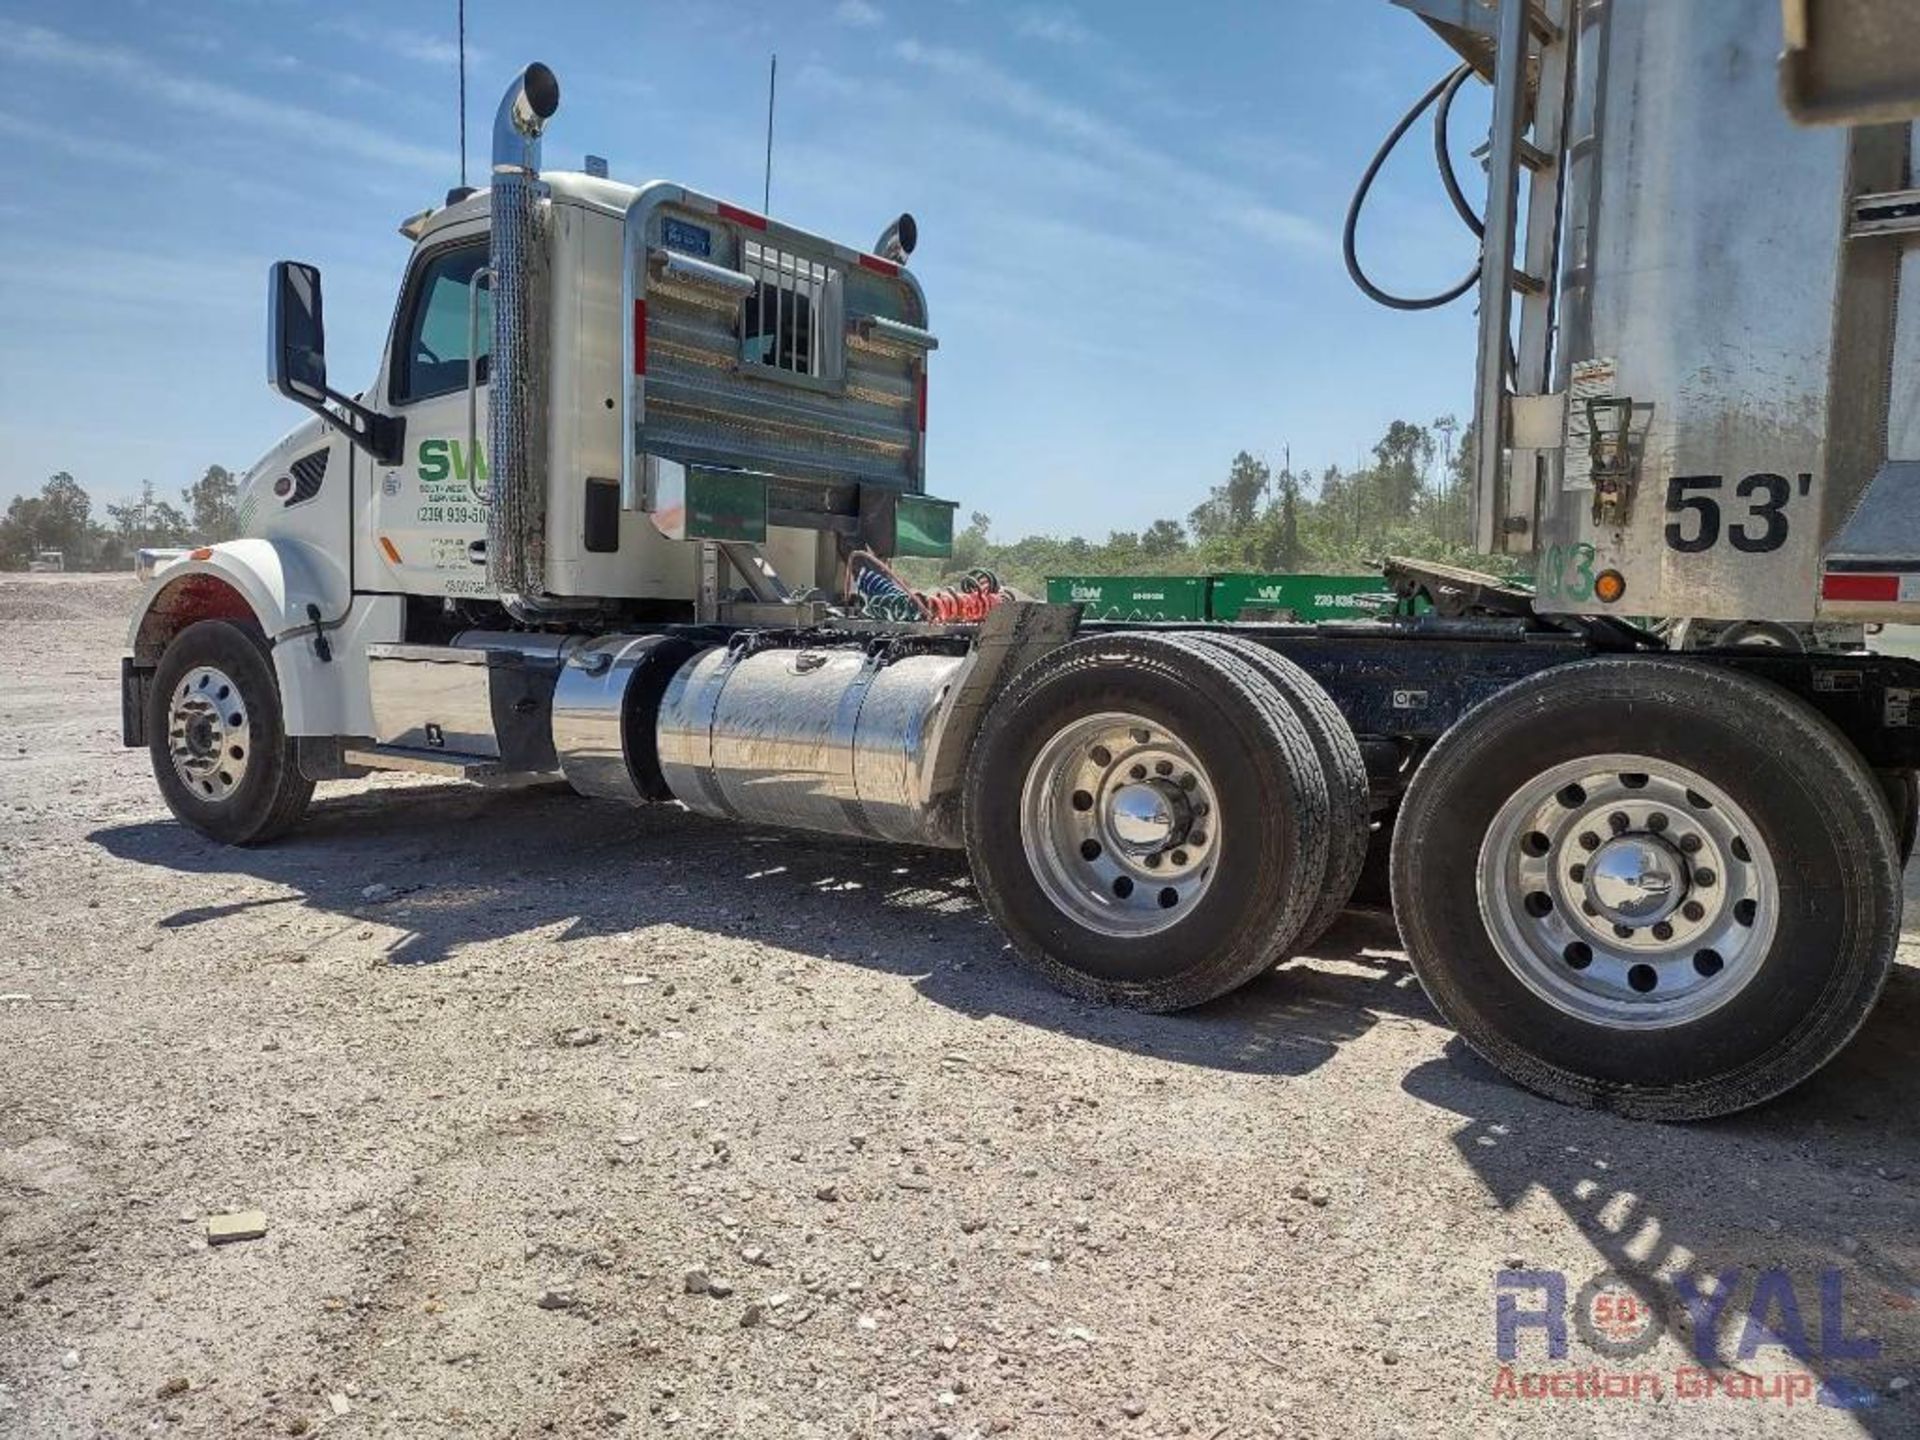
x=1443, y=91
x=1443, y=153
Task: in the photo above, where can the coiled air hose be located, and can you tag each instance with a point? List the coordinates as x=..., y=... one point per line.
x=1443, y=92
x=884, y=595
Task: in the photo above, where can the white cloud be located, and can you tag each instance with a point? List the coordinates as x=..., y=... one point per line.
x=415, y=45
x=210, y=100
x=861, y=14
x=1143, y=167
x=139, y=279
x=1055, y=25
x=98, y=149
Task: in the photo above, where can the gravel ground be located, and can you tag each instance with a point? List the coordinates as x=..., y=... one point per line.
x=566, y=1118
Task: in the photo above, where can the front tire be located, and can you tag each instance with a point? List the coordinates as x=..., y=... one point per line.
x=1652, y=887
x=217, y=740
x=1147, y=820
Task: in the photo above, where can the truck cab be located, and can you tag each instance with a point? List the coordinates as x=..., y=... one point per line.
x=709, y=407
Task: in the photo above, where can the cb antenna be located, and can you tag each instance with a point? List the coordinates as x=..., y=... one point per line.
x=463, y=93
x=773, y=75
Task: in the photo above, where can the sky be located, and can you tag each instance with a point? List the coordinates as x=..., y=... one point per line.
x=1129, y=212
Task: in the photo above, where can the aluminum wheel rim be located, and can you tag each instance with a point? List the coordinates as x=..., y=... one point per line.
x=1120, y=824
x=209, y=734
x=1628, y=892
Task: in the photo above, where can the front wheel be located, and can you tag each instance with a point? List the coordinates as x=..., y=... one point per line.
x=217, y=740
x=1653, y=887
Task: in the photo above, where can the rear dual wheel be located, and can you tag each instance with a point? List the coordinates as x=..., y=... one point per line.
x=1653, y=887
x=1150, y=819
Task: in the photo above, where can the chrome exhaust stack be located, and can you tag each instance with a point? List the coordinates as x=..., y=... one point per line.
x=517, y=372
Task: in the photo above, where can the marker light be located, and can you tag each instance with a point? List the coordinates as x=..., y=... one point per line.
x=1609, y=586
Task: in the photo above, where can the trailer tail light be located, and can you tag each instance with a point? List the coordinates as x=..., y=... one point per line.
x=639, y=337
x=923, y=400
x=1873, y=589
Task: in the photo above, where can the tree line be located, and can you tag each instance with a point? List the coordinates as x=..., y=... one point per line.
x=61, y=518
x=1408, y=497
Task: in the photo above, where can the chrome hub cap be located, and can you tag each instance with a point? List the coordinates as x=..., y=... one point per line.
x=209, y=737
x=1144, y=818
x=1636, y=880
x=1118, y=819
x=1628, y=891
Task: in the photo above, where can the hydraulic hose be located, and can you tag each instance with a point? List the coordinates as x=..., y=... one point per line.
x=1443, y=92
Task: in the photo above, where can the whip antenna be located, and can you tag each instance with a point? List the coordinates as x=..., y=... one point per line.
x=463, y=93
x=773, y=74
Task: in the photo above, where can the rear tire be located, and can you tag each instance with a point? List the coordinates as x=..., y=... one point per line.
x=1902, y=789
x=1652, y=887
x=1345, y=768
x=215, y=735
x=1147, y=820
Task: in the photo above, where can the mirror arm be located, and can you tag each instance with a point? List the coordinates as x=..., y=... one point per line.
x=383, y=437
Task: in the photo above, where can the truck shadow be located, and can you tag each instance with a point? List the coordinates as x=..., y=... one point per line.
x=450, y=866
x=1822, y=1180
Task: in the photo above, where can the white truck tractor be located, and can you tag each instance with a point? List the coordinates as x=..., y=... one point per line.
x=619, y=505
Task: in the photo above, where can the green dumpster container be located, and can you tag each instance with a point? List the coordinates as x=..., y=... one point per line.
x=1132, y=597
x=1305, y=597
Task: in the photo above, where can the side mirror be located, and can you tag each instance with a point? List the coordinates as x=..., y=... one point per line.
x=296, y=333
x=297, y=362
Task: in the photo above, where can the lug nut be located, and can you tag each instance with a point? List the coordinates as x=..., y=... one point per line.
x=1704, y=877
x=1693, y=910
x=1617, y=822
x=1690, y=844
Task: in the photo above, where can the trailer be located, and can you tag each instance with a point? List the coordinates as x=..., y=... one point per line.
x=1232, y=596
x=621, y=503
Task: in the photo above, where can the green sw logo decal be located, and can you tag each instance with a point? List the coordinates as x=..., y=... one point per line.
x=451, y=460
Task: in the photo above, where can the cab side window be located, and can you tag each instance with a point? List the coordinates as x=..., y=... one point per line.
x=432, y=358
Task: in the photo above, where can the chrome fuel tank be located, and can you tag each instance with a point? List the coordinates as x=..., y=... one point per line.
x=819, y=739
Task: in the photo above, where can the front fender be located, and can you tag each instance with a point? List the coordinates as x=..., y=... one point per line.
x=277, y=578
x=322, y=686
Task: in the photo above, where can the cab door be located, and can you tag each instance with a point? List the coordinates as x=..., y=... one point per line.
x=428, y=514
